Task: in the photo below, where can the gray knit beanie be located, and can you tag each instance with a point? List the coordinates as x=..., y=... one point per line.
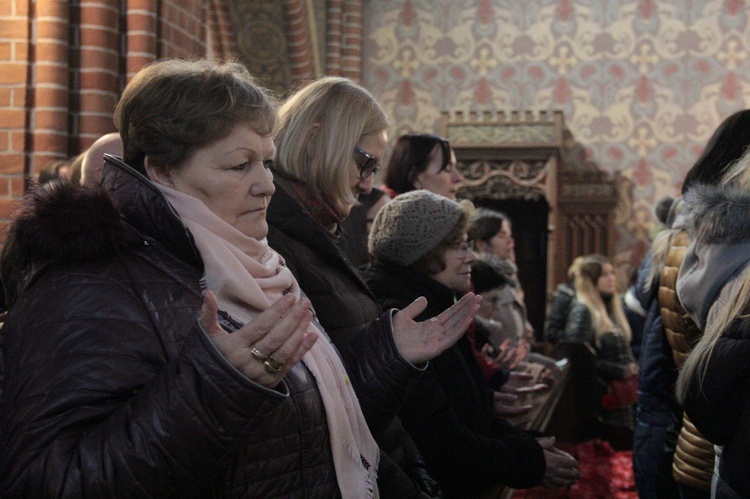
x=412, y=225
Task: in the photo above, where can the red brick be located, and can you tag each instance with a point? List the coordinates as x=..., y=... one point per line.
x=14, y=28
x=56, y=74
x=94, y=57
x=100, y=37
x=21, y=6
x=7, y=206
x=51, y=97
x=54, y=52
x=12, y=73
x=51, y=120
x=141, y=43
x=95, y=124
x=141, y=5
x=98, y=102
x=54, y=8
x=50, y=142
x=19, y=96
x=11, y=163
x=6, y=8
x=98, y=80
x=100, y=16
x=6, y=49
x=17, y=141
x=55, y=29
x=142, y=22
x=20, y=51
x=5, y=97
x=16, y=187
x=12, y=118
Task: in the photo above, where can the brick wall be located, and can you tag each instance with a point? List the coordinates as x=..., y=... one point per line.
x=14, y=48
x=63, y=64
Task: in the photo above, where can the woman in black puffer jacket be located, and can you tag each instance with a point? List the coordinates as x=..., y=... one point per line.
x=120, y=379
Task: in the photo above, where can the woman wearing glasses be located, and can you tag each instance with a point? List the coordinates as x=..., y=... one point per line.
x=331, y=140
x=422, y=161
x=420, y=248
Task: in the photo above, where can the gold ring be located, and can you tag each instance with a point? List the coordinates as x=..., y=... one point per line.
x=272, y=365
x=258, y=355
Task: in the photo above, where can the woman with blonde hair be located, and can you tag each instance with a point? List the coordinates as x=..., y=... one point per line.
x=331, y=140
x=596, y=317
x=714, y=288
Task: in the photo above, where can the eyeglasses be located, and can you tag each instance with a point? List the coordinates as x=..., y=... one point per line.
x=368, y=164
x=463, y=248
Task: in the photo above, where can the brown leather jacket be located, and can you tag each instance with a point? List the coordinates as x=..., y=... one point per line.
x=694, y=455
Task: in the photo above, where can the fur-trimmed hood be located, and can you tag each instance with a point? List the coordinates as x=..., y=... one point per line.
x=57, y=223
x=61, y=222
x=718, y=220
x=716, y=214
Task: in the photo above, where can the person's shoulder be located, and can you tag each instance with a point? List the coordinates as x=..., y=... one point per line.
x=565, y=290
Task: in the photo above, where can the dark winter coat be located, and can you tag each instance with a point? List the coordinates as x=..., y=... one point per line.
x=657, y=408
x=342, y=300
x=554, y=330
x=450, y=413
x=345, y=307
x=112, y=388
x=612, y=350
x=612, y=355
x=717, y=220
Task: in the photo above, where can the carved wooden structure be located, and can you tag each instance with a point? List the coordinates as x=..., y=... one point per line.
x=527, y=157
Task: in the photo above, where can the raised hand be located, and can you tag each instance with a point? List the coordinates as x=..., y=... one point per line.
x=503, y=405
x=267, y=347
x=419, y=342
x=520, y=382
x=562, y=468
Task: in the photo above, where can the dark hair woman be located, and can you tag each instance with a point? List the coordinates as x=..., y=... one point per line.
x=422, y=161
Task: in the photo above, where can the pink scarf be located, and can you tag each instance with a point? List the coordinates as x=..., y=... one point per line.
x=247, y=277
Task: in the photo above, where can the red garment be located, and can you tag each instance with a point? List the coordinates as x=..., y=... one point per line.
x=389, y=191
x=489, y=368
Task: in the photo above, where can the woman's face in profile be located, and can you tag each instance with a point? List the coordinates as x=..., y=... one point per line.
x=232, y=177
x=502, y=243
x=440, y=181
x=607, y=283
x=373, y=144
x=457, y=272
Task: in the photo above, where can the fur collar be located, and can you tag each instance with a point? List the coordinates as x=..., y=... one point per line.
x=64, y=222
x=56, y=223
x=716, y=214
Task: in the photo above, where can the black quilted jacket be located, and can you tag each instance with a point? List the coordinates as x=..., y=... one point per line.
x=111, y=387
x=449, y=414
x=345, y=306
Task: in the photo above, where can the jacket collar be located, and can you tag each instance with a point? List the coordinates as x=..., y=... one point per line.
x=145, y=208
x=394, y=284
x=287, y=215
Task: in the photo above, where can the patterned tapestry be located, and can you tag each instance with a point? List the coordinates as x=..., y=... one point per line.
x=642, y=83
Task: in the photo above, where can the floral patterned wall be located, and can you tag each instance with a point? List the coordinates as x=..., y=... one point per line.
x=642, y=83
